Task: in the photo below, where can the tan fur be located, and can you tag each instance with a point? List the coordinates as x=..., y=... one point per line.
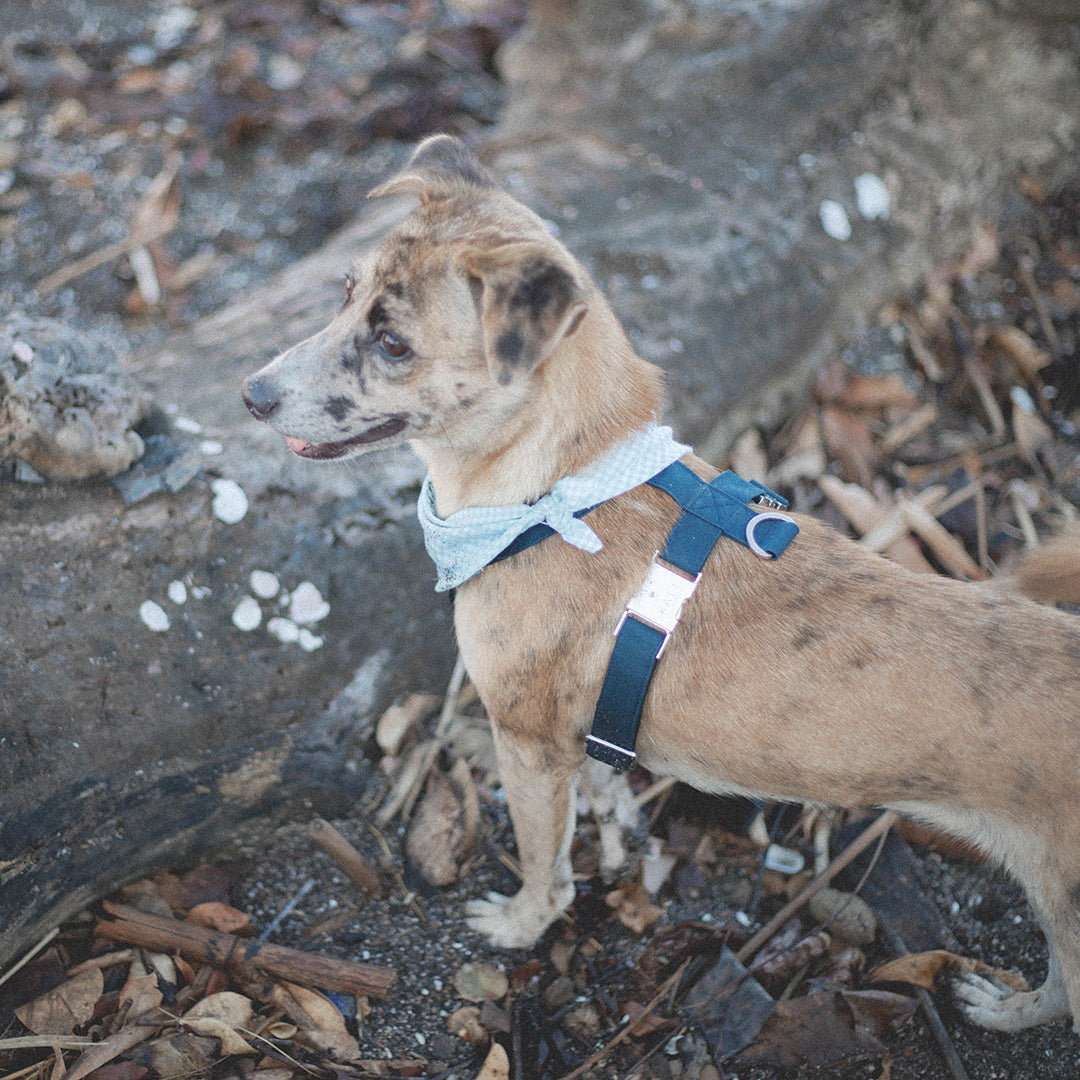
x=830, y=675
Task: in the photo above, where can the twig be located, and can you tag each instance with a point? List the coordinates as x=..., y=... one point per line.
x=347, y=858
x=288, y=909
x=29, y=955
x=244, y=958
x=625, y=1032
x=881, y=824
x=655, y=790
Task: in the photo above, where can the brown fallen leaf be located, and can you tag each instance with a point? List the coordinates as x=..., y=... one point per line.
x=177, y=1055
x=922, y=969
x=826, y=1028
x=633, y=906
x=443, y=829
x=848, y=440
x=496, y=1065
x=873, y=392
x=1021, y=350
x=220, y=1016
x=481, y=982
x=63, y=1009
x=319, y=1020
x=215, y=915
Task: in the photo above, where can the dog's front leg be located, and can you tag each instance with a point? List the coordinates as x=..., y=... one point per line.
x=540, y=791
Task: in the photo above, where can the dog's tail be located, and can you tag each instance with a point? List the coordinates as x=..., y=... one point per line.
x=1050, y=572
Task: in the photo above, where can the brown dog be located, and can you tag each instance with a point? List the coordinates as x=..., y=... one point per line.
x=829, y=675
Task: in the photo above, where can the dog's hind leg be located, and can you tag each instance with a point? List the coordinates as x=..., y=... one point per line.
x=540, y=793
x=990, y=1004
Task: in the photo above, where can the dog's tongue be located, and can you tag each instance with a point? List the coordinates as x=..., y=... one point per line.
x=297, y=446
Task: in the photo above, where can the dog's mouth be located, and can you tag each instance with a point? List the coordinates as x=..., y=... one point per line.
x=329, y=450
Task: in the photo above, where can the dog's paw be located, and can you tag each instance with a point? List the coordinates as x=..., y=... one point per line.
x=509, y=922
x=989, y=1003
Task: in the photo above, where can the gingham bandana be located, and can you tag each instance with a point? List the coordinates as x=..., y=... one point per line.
x=464, y=543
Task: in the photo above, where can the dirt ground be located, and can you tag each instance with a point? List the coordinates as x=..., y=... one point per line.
x=82, y=133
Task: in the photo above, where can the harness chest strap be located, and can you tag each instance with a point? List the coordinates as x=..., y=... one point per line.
x=742, y=510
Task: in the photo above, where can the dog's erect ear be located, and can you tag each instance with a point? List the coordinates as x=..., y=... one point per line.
x=440, y=167
x=528, y=303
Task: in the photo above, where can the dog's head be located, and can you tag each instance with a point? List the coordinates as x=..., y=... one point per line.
x=443, y=323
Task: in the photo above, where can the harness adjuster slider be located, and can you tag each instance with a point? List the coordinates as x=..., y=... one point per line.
x=659, y=601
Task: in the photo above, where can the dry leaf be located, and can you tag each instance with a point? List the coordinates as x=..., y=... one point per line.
x=398, y=720
x=220, y=1016
x=481, y=982
x=921, y=969
x=465, y=1024
x=1021, y=350
x=444, y=826
x=63, y=1009
x=218, y=916
x=139, y=995
x=848, y=440
x=876, y=392
x=633, y=907
x=178, y=1055
x=322, y=1024
x=496, y=1064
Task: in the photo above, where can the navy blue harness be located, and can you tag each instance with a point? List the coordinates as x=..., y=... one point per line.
x=742, y=510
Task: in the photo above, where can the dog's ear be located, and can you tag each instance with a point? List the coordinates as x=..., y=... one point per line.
x=440, y=167
x=528, y=303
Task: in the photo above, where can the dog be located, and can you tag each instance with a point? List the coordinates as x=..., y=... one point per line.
x=829, y=675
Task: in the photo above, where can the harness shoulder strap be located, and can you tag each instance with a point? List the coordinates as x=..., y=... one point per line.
x=726, y=506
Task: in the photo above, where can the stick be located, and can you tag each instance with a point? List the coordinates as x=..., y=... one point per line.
x=29, y=955
x=349, y=860
x=240, y=957
x=883, y=823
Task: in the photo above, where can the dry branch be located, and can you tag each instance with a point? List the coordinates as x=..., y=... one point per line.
x=348, y=859
x=241, y=957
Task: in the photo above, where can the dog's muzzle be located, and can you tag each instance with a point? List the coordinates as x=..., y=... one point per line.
x=261, y=397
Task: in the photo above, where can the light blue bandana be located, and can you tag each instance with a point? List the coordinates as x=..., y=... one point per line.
x=464, y=543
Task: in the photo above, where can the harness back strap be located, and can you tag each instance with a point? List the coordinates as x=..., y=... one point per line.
x=742, y=510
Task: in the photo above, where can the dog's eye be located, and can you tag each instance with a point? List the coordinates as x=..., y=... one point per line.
x=391, y=346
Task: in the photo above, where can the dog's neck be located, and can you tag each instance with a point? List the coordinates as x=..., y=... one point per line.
x=553, y=433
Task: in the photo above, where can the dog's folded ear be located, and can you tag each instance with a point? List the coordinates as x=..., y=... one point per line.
x=440, y=167
x=528, y=303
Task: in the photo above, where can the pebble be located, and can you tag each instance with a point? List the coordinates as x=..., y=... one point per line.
x=307, y=604
x=285, y=630
x=872, y=197
x=834, y=220
x=153, y=616
x=264, y=584
x=230, y=503
x=247, y=614
x=308, y=641
x=177, y=592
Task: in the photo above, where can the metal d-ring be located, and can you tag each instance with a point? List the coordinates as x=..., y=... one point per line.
x=754, y=522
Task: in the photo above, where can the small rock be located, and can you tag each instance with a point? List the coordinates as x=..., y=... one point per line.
x=177, y=592
x=247, y=614
x=834, y=220
x=465, y=1024
x=307, y=604
x=850, y=917
x=285, y=630
x=230, y=503
x=308, y=641
x=264, y=584
x=153, y=616
x=872, y=197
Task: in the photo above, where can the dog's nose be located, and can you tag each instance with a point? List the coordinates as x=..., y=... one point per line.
x=260, y=397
